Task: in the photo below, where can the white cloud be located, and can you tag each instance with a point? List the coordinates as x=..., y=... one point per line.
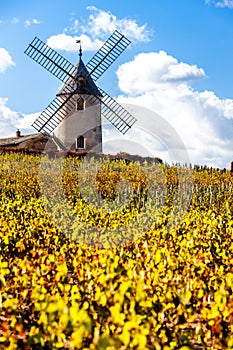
x=152, y=71
x=68, y=43
x=203, y=121
x=73, y=28
x=29, y=22
x=6, y=60
x=101, y=23
x=15, y=20
x=223, y=3
x=10, y=120
x=97, y=27
x=183, y=71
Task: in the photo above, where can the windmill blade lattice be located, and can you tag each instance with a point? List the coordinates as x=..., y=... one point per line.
x=115, y=113
x=107, y=54
x=56, y=111
x=50, y=59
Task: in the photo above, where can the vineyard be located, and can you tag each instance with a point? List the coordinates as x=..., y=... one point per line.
x=114, y=254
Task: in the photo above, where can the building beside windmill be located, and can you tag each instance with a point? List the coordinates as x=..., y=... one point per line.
x=81, y=128
x=31, y=142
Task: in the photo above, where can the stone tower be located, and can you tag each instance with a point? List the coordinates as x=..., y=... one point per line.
x=81, y=129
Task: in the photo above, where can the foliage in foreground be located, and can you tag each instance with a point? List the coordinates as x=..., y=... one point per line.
x=169, y=288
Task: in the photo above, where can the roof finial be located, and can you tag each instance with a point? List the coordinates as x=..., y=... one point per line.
x=80, y=49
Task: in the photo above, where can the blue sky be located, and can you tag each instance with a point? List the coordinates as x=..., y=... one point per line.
x=179, y=64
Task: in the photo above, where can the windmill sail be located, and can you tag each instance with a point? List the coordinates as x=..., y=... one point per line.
x=49, y=119
x=50, y=59
x=115, y=113
x=107, y=54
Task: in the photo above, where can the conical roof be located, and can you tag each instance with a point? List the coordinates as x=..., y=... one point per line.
x=82, y=82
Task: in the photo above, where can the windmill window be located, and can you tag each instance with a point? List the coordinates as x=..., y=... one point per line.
x=80, y=104
x=80, y=142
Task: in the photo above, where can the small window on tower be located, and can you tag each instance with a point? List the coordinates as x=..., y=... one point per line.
x=80, y=104
x=80, y=142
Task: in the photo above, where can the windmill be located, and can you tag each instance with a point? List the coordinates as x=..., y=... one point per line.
x=77, y=108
